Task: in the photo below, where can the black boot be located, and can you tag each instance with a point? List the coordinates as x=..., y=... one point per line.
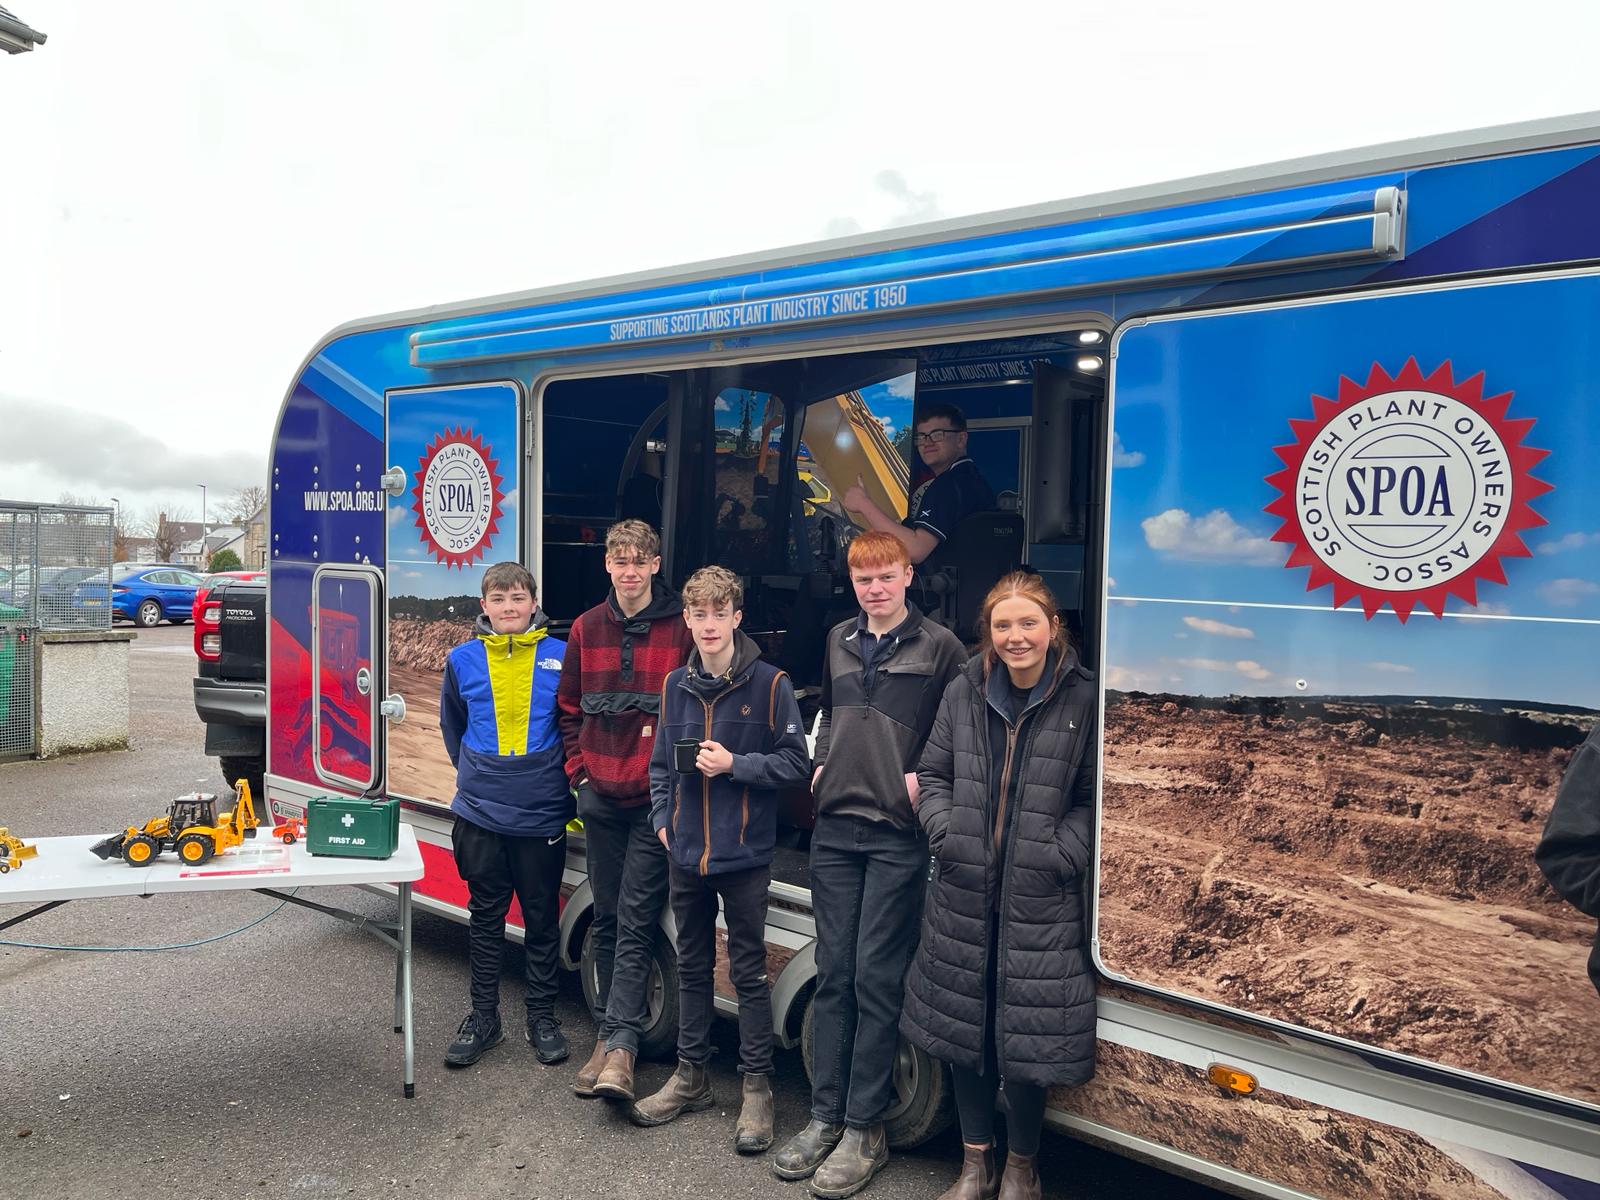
x=860, y=1155
x=804, y=1152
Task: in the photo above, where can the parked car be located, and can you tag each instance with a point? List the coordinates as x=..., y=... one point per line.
x=230, y=686
x=148, y=594
x=207, y=637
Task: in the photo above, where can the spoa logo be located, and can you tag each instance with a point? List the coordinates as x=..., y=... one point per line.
x=1407, y=490
x=458, y=497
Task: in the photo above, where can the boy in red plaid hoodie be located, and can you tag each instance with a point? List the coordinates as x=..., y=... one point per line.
x=618, y=655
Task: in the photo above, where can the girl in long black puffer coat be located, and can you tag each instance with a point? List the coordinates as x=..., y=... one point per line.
x=1001, y=987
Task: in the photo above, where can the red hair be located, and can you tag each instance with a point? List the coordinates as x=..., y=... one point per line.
x=877, y=549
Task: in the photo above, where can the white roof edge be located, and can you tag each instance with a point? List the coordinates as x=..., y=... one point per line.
x=1434, y=149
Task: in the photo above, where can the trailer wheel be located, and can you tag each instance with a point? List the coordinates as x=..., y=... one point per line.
x=659, y=1038
x=924, y=1098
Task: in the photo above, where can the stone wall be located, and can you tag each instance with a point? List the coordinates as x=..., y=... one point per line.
x=83, y=692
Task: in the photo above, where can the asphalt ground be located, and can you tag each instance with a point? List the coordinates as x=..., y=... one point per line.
x=265, y=1065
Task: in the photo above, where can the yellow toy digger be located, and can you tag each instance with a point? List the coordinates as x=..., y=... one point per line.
x=12, y=851
x=191, y=829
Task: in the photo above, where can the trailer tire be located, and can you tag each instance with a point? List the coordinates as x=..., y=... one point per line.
x=249, y=769
x=659, y=1038
x=924, y=1097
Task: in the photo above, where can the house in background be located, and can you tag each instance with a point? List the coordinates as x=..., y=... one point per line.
x=16, y=36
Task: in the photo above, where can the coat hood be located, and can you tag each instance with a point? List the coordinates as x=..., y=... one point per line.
x=745, y=655
x=664, y=602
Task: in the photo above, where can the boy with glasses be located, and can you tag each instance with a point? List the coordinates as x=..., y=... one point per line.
x=957, y=489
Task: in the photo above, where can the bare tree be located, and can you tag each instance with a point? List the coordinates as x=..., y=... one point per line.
x=245, y=502
x=164, y=528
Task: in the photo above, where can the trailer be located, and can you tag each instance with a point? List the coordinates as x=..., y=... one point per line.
x=1305, y=453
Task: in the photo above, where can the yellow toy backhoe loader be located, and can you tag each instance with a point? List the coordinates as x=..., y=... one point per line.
x=12, y=851
x=190, y=828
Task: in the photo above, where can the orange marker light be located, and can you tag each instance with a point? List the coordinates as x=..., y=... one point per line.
x=1232, y=1079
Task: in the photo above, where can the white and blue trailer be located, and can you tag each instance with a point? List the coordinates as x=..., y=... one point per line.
x=1306, y=453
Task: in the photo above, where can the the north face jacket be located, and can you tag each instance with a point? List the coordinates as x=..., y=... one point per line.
x=610, y=693
x=728, y=823
x=869, y=740
x=1040, y=809
x=497, y=710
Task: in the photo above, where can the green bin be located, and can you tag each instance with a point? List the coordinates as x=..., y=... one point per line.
x=345, y=828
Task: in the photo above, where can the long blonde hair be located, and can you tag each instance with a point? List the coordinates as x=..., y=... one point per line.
x=1027, y=586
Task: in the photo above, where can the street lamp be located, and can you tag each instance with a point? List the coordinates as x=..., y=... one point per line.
x=202, y=488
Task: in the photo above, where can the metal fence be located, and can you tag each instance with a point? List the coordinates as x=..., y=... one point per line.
x=55, y=566
x=55, y=574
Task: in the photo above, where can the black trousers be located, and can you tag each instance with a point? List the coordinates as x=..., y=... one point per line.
x=628, y=875
x=977, y=1093
x=866, y=894
x=497, y=867
x=744, y=908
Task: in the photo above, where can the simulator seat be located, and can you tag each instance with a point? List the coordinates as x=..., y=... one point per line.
x=983, y=547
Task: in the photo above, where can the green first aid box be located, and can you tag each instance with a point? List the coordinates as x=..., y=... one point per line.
x=345, y=828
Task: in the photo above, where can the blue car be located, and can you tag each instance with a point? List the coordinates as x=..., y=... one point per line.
x=149, y=593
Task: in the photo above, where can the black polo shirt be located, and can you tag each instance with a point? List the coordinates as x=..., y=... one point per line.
x=940, y=504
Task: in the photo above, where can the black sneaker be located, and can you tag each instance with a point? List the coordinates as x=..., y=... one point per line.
x=547, y=1040
x=479, y=1033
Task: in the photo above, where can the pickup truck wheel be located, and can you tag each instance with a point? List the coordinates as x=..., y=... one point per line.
x=923, y=1105
x=250, y=769
x=659, y=1038
x=149, y=614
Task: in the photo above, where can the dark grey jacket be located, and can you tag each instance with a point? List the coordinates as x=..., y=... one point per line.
x=1569, y=852
x=1045, y=1003
x=867, y=744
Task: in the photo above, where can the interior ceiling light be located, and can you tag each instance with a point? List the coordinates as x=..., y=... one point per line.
x=1090, y=362
x=1089, y=337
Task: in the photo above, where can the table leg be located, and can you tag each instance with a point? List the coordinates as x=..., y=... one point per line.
x=405, y=989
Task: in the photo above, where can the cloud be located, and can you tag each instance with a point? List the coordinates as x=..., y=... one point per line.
x=1215, y=537
x=1121, y=456
x=1217, y=628
x=1575, y=540
x=1245, y=666
x=1569, y=593
x=722, y=405
x=95, y=453
x=903, y=387
x=1395, y=668
x=910, y=207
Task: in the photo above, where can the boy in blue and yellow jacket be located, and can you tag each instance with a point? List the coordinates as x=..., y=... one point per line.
x=497, y=710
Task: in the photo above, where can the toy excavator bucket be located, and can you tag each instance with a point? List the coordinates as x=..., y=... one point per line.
x=108, y=847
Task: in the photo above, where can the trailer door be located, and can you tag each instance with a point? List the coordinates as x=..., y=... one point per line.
x=1349, y=649
x=458, y=512
x=346, y=633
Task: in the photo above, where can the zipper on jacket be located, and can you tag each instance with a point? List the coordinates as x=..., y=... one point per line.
x=705, y=797
x=744, y=814
x=1005, y=785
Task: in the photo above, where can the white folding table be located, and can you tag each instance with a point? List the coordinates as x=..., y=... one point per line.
x=65, y=870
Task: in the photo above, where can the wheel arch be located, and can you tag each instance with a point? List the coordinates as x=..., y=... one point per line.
x=789, y=993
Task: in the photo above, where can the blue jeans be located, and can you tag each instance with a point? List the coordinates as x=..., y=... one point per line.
x=866, y=894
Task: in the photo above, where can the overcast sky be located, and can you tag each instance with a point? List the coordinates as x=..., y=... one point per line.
x=191, y=194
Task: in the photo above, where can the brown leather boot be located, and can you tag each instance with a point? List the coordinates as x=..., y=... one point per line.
x=979, y=1179
x=589, y=1073
x=616, y=1076
x=689, y=1090
x=1022, y=1178
x=752, y=1133
x=805, y=1151
x=860, y=1155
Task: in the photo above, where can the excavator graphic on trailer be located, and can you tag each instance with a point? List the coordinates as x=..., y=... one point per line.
x=191, y=829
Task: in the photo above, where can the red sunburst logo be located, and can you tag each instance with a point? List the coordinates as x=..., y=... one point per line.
x=1407, y=490
x=458, y=497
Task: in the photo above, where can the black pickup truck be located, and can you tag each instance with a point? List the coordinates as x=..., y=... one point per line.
x=230, y=690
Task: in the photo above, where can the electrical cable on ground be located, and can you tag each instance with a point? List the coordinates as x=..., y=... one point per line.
x=216, y=937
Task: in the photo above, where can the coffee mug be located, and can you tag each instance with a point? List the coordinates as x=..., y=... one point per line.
x=684, y=752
